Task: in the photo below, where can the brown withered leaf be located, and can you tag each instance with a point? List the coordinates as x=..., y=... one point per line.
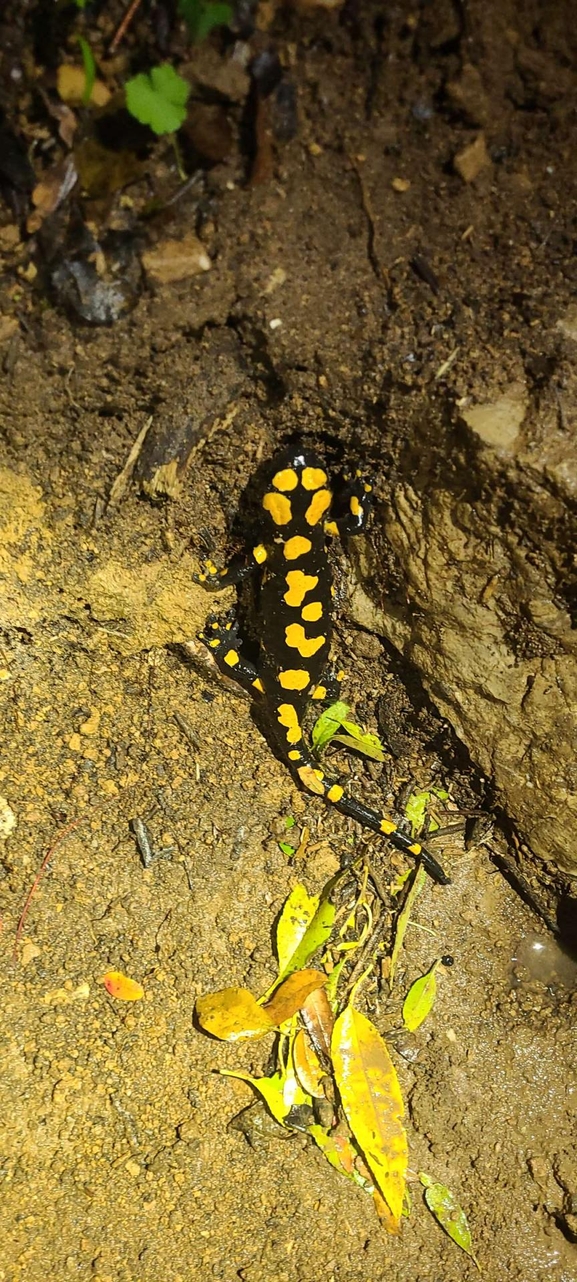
x=292, y=993
x=319, y=1021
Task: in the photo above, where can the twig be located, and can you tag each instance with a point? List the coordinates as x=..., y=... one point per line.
x=124, y=25
x=38, y=878
x=124, y=477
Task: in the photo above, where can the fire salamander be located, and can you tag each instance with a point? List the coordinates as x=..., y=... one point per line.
x=294, y=618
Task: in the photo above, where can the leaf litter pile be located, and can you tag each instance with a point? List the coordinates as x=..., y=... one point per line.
x=333, y=1077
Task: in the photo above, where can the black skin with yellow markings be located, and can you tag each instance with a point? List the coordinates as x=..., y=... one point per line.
x=295, y=621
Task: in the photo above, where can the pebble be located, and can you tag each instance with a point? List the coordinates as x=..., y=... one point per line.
x=8, y=819
x=472, y=159
x=498, y=422
x=174, y=260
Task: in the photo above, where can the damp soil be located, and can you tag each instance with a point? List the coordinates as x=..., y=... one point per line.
x=339, y=288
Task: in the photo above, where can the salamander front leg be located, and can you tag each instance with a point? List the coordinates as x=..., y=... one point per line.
x=221, y=638
x=238, y=569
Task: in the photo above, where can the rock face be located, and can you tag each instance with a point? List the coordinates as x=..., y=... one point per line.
x=486, y=551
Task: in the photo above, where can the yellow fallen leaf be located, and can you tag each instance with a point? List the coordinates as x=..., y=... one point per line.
x=232, y=1014
x=71, y=83
x=122, y=987
x=292, y=993
x=297, y=913
x=373, y=1104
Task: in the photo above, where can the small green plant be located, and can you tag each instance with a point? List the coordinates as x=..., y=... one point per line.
x=158, y=98
x=202, y=16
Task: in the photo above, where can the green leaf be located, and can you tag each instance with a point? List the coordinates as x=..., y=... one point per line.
x=271, y=1089
x=202, y=16
x=158, y=99
x=89, y=69
x=361, y=741
x=327, y=725
x=417, y=805
x=286, y=848
x=449, y=1214
x=404, y=918
x=420, y=999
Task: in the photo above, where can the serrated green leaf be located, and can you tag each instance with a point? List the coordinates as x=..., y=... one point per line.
x=420, y=999
x=327, y=725
x=449, y=1214
x=158, y=99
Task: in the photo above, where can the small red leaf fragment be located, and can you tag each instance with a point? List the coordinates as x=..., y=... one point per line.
x=122, y=987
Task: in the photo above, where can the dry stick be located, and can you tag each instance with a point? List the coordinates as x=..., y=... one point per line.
x=124, y=477
x=38, y=878
x=124, y=25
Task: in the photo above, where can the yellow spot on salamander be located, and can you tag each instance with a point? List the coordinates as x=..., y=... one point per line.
x=294, y=755
x=231, y=658
x=294, y=679
x=259, y=553
x=295, y=547
x=312, y=612
x=313, y=477
x=297, y=639
x=318, y=506
x=415, y=849
x=279, y=507
x=257, y=684
x=319, y=692
x=335, y=793
x=285, y=480
x=387, y=826
x=298, y=586
x=356, y=509
x=331, y=527
x=310, y=780
x=288, y=717
x=214, y=644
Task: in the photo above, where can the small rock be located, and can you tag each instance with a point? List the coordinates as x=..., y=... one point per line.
x=400, y=184
x=9, y=237
x=174, y=260
x=209, y=132
x=8, y=819
x=29, y=953
x=498, y=422
x=472, y=159
x=91, y=726
x=8, y=327
x=367, y=646
x=568, y=322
